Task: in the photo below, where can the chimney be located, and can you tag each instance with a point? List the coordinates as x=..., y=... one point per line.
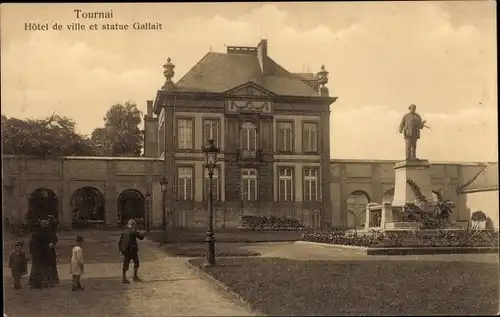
x=262, y=55
x=150, y=108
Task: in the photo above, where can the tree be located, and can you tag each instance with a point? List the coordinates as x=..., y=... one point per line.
x=52, y=136
x=121, y=134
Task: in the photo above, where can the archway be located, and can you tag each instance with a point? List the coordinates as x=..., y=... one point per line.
x=88, y=206
x=356, y=204
x=131, y=205
x=42, y=204
x=388, y=196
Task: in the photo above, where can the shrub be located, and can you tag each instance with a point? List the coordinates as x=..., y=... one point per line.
x=428, y=217
x=374, y=239
x=478, y=216
x=270, y=223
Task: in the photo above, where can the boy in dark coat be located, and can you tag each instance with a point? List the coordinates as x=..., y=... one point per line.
x=130, y=250
x=18, y=264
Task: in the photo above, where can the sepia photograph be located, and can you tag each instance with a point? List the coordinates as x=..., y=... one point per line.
x=250, y=159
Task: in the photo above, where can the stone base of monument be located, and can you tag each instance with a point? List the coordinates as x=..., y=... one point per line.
x=416, y=172
x=400, y=225
x=410, y=174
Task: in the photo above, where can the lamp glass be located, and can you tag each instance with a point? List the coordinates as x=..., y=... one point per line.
x=163, y=184
x=212, y=158
x=210, y=151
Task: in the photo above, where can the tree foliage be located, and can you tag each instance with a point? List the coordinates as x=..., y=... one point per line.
x=52, y=136
x=120, y=135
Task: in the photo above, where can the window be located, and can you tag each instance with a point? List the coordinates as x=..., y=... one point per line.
x=215, y=184
x=185, y=134
x=310, y=184
x=310, y=137
x=185, y=183
x=211, y=130
x=285, y=136
x=285, y=181
x=248, y=136
x=249, y=188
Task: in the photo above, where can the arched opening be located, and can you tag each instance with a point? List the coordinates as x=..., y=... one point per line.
x=351, y=220
x=88, y=206
x=388, y=196
x=356, y=205
x=131, y=205
x=42, y=205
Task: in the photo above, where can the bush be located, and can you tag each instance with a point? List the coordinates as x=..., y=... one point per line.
x=478, y=216
x=429, y=218
x=374, y=239
x=270, y=223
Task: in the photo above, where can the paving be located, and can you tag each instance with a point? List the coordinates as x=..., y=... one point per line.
x=299, y=251
x=169, y=288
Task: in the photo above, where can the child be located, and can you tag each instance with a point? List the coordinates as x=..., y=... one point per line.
x=76, y=265
x=18, y=264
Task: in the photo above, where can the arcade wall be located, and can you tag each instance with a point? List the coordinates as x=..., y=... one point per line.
x=111, y=176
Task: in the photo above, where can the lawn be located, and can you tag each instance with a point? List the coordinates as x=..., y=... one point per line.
x=226, y=235
x=287, y=287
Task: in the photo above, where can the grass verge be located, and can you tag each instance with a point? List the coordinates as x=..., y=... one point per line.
x=287, y=287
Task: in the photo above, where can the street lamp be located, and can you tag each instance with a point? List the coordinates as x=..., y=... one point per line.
x=163, y=187
x=146, y=211
x=211, y=152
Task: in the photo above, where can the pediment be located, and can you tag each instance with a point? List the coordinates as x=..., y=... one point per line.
x=249, y=89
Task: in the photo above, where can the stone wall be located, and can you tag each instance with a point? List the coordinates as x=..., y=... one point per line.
x=22, y=175
x=111, y=176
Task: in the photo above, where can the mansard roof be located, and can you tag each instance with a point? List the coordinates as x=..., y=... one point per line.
x=220, y=72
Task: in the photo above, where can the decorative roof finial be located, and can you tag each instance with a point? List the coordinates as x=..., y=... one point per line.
x=322, y=76
x=168, y=73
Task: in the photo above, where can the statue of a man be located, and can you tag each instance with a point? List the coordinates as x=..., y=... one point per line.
x=410, y=126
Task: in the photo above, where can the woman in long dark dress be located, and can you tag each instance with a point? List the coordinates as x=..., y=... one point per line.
x=52, y=270
x=39, y=250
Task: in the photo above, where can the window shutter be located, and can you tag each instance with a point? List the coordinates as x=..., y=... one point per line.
x=281, y=137
x=244, y=139
x=206, y=131
x=253, y=139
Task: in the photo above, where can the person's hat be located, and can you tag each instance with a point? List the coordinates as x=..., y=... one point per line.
x=131, y=223
x=19, y=244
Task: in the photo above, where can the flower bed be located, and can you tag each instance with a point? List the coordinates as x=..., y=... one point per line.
x=270, y=223
x=408, y=239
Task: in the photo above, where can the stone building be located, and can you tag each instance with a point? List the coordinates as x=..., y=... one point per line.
x=272, y=127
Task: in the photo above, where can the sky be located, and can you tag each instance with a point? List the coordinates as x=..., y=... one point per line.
x=382, y=56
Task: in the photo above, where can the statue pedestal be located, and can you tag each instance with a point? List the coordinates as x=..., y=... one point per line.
x=417, y=171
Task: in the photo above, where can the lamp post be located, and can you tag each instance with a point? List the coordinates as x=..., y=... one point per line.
x=163, y=187
x=146, y=211
x=210, y=151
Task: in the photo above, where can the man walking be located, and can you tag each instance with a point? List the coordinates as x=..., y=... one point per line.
x=130, y=250
x=410, y=127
